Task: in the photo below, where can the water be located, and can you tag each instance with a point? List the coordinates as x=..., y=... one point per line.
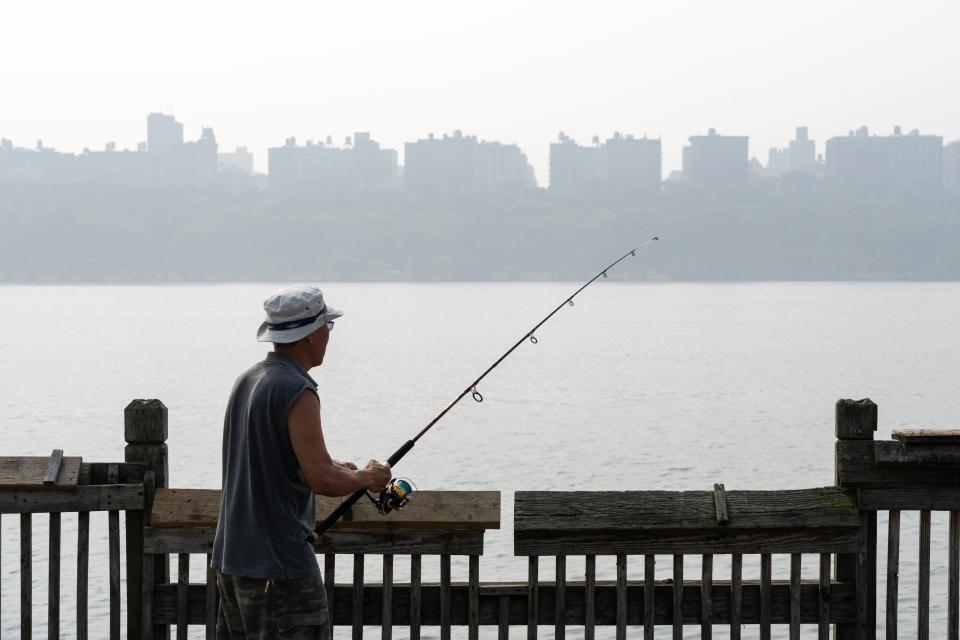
x=639, y=386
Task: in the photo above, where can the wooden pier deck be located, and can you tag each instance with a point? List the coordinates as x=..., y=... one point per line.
x=832, y=531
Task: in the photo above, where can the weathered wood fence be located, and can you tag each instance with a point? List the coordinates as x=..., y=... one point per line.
x=832, y=529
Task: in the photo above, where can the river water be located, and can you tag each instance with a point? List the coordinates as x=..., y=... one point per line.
x=638, y=386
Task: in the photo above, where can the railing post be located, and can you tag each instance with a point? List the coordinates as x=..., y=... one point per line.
x=857, y=420
x=145, y=431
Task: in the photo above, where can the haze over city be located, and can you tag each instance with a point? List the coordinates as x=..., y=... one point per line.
x=498, y=70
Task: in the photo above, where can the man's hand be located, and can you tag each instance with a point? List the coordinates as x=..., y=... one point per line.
x=345, y=465
x=378, y=475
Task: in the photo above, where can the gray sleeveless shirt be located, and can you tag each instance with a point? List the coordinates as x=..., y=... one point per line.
x=267, y=510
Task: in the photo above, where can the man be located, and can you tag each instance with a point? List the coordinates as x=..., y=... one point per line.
x=274, y=461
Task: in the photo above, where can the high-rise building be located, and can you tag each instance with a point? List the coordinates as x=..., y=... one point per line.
x=622, y=164
x=800, y=155
x=716, y=161
x=164, y=134
x=359, y=164
x=178, y=162
x=464, y=164
x=237, y=161
x=911, y=162
x=951, y=167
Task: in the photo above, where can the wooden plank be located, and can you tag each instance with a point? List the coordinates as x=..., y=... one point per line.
x=706, y=598
x=402, y=542
x=26, y=576
x=823, y=619
x=148, y=565
x=893, y=573
x=133, y=524
x=856, y=419
x=533, y=564
x=358, y=587
x=29, y=472
x=590, y=604
x=329, y=574
x=845, y=540
x=462, y=510
x=736, y=595
x=96, y=472
x=560, y=601
x=212, y=602
x=720, y=502
x=911, y=498
x=856, y=464
x=843, y=603
x=169, y=541
x=649, y=595
x=927, y=436
x=113, y=541
x=147, y=591
x=445, y=604
x=415, y=596
x=503, y=618
x=631, y=513
x=183, y=605
x=621, y=597
x=677, y=597
x=953, y=571
x=867, y=576
x=386, y=616
x=53, y=578
x=337, y=542
x=83, y=573
x=89, y=498
x=891, y=454
x=53, y=469
x=473, y=611
x=923, y=586
x=795, y=568
x=766, y=601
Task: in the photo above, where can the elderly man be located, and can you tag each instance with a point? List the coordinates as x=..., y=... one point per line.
x=274, y=461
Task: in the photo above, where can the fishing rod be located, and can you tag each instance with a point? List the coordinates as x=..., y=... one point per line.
x=397, y=493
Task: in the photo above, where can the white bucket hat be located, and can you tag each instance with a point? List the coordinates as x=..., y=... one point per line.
x=294, y=312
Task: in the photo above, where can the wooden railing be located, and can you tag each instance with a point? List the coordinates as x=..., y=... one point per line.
x=831, y=531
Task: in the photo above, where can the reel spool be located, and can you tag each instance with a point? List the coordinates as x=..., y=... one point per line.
x=396, y=495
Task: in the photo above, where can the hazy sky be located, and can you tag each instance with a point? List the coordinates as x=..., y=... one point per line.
x=78, y=74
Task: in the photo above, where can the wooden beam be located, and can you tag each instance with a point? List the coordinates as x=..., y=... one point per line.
x=464, y=510
x=901, y=455
x=720, y=500
x=89, y=498
x=842, y=603
x=640, y=512
x=927, y=436
x=910, y=498
x=856, y=464
x=53, y=468
x=34, y=472
x=797, y=541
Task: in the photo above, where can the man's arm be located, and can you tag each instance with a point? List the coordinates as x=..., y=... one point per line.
x=324, y=475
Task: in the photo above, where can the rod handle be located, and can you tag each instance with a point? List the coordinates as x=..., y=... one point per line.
x=399, y=453
x=346, y=505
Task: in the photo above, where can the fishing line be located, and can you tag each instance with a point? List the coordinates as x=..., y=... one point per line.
x=397, y=493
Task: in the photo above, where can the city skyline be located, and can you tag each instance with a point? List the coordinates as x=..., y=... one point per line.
x=518, y=74
x=259, y=157
x=624, y=163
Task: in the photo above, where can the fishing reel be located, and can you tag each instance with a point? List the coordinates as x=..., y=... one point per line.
x=396, y=495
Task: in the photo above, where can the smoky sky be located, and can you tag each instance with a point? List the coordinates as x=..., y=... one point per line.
x=81, y=74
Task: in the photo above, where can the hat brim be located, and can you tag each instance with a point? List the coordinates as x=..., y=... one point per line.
x=286, y=336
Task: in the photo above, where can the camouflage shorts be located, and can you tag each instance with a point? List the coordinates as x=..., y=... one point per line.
x=254, y=609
